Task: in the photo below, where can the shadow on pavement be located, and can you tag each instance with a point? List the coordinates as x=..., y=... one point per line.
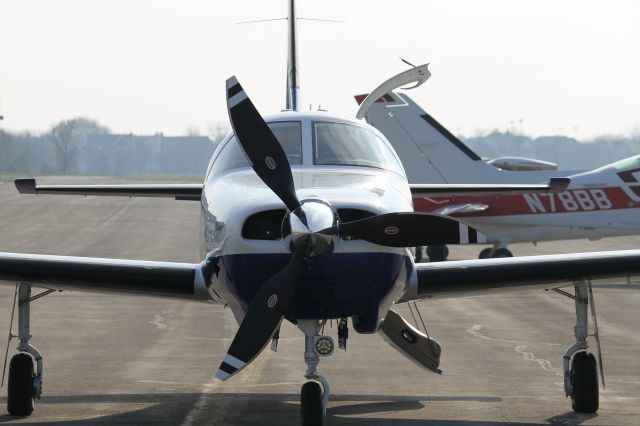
x=248, y=409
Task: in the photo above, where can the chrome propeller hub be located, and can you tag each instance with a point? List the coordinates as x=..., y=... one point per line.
x=306, y=224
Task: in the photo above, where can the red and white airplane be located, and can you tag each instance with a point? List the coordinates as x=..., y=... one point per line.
x=598, y=203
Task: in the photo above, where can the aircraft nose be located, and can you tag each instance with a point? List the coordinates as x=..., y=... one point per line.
x=307, y=222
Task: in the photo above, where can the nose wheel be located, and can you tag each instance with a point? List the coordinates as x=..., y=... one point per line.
x=311, y=407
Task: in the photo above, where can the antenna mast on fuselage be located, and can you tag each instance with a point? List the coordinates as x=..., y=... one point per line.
x=293, y=85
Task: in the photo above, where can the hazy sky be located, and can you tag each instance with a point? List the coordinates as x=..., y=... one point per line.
x=570, y=66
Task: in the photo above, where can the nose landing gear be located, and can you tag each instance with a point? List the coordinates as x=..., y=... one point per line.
x=313, y=399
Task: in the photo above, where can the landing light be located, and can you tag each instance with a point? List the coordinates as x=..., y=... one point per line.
x=324, y=345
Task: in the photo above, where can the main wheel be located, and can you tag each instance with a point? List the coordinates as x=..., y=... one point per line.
x=311, y=404
x=437, y=253
x=502, y=252
x=485, y=253
x=20, y=389
x=419, y=251
x=584, y=371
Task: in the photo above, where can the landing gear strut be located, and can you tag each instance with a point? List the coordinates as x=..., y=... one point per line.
x=580, y=366
x=313, y=399
x=24, y=385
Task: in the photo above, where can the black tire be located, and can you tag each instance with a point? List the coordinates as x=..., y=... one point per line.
x=419, y=254
x=20, y=386
x=485, y=253
x=502, y=252
x=437, y=253
x=311, y=411
x=584, y=372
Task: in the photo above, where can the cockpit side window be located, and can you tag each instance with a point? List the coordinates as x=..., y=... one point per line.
x=231, y=155
x=350, y=145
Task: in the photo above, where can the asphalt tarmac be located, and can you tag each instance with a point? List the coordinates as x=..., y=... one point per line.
x=132, y=360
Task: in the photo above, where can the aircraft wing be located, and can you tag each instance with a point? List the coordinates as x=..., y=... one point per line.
x=179, y=191
x=470, y=277
x=165, y=279
x=444, y=189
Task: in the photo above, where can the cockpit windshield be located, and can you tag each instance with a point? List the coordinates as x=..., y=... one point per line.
x=288, y=134
x=351, y=145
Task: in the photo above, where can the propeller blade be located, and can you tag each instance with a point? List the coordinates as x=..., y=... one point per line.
x=265, y=313
x=260, y=145
x=409, y=230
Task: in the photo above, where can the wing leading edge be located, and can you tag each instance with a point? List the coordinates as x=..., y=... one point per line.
x=179, y=191
x=164, y=279
x=468, y=277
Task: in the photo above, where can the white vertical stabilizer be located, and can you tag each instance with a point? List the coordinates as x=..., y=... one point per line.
x=432, y=154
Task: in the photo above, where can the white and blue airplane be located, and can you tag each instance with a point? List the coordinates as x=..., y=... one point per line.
x=306, y=217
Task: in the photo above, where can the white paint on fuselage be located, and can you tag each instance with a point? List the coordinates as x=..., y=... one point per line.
x=241, y=193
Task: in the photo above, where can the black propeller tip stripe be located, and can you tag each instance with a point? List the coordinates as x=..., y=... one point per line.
x=234, y=90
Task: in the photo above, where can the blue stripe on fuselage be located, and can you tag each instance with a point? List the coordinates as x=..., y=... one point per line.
x=335, y=285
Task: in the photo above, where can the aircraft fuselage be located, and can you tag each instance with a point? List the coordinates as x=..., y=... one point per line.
x=242, y=226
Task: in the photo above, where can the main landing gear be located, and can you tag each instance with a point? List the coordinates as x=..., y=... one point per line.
x=498, y=250
x=438, y=253
x=25, y=384
x=315, y=393
x=580, y=366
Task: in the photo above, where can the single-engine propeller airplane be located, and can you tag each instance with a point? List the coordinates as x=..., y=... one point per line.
x=307, y=217
x=598, y=203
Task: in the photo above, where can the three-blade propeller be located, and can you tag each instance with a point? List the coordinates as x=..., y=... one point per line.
x=271, y=303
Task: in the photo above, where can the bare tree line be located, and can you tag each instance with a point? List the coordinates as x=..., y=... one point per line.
x=83, y=146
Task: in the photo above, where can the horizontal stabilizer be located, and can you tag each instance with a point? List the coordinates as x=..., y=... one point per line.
x=556, y=184
x=460, y=208
x=179, y=191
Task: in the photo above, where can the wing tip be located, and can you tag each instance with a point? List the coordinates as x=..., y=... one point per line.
x=26, y=185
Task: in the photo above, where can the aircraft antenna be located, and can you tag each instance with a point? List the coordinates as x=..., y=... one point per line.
x=407, y=62
x=293, y=85
x=292, y=98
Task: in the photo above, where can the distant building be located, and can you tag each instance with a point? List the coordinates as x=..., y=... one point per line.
x=129, y=154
